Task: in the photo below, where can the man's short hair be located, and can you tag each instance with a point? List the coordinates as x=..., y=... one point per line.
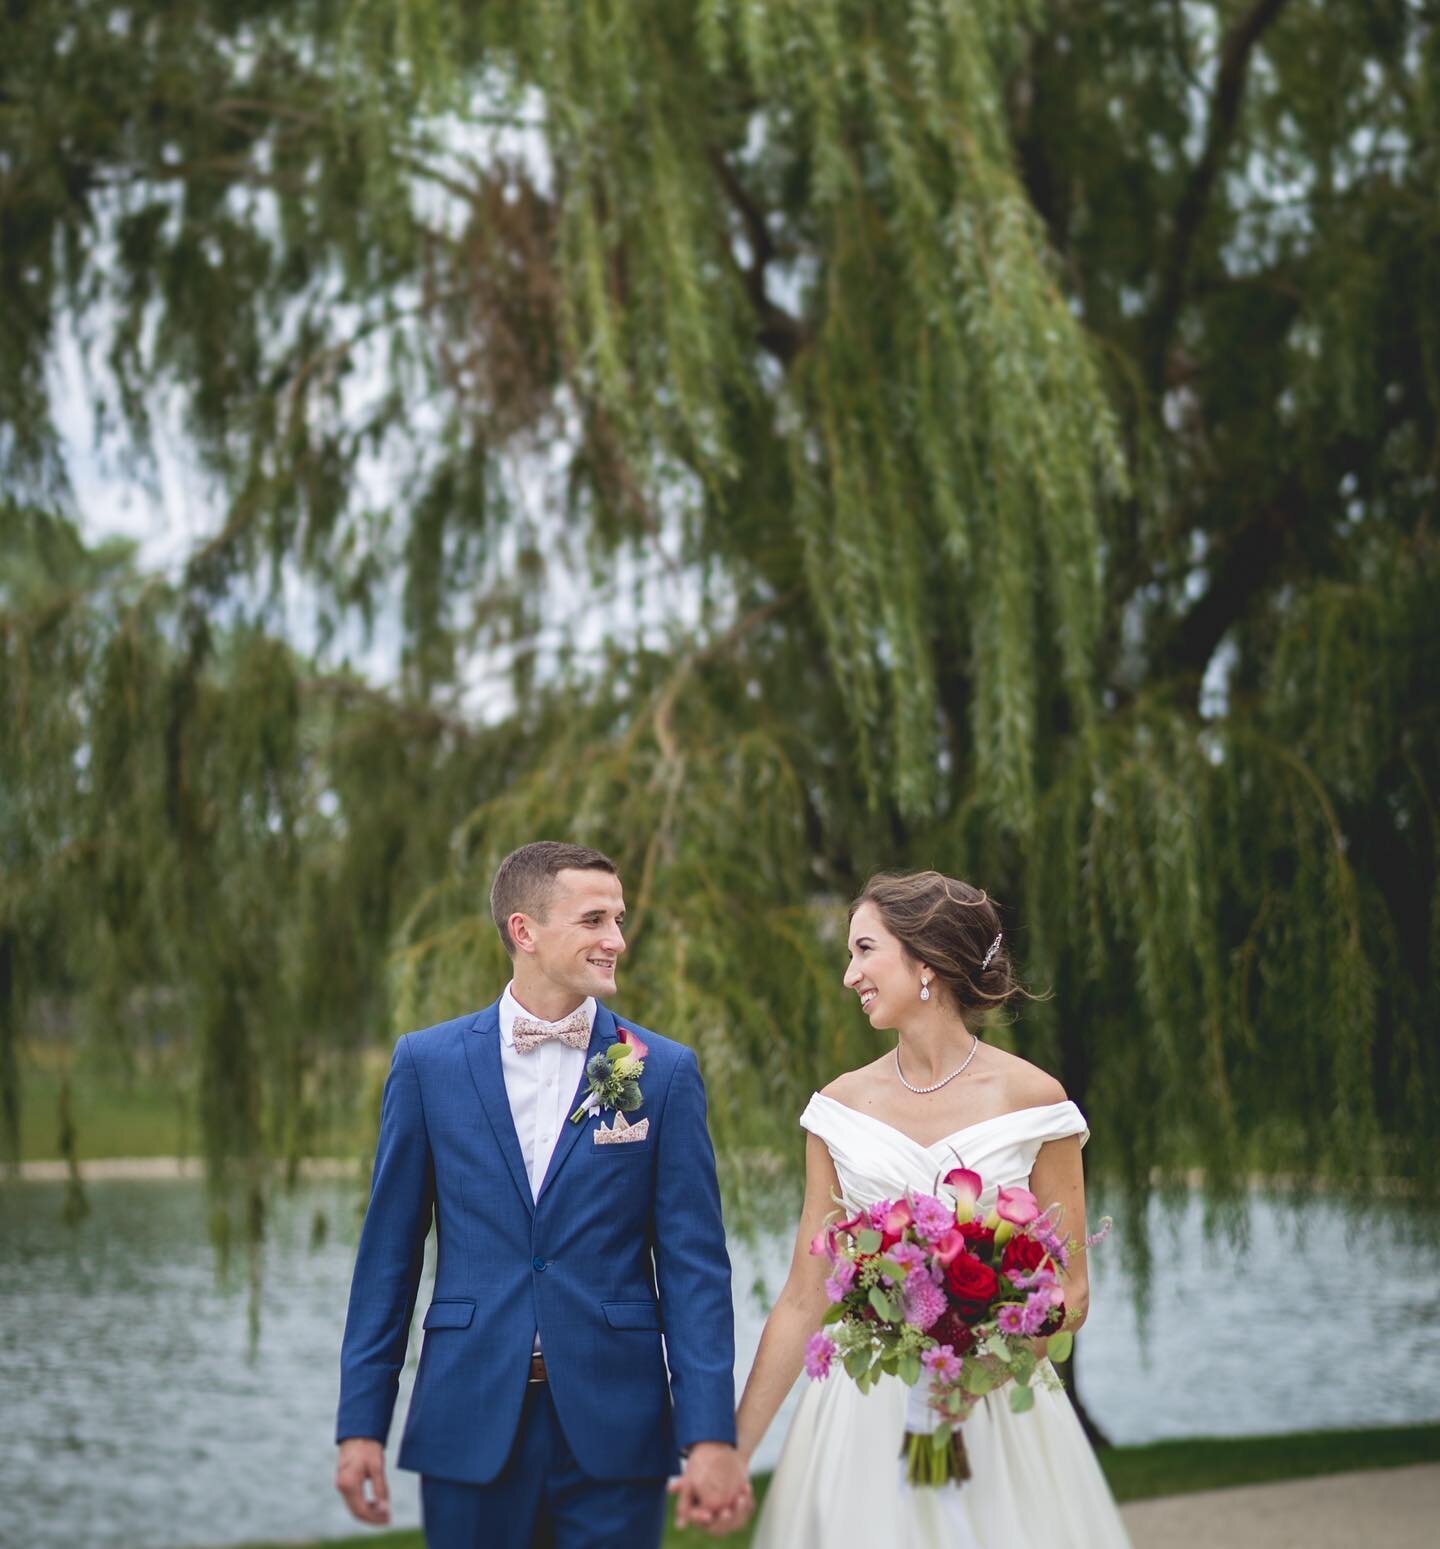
x=526, y=879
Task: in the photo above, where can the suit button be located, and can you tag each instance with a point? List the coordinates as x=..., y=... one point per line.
x=537, y=1263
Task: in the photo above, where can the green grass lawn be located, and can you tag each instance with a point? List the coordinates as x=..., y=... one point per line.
x=1178, y=1467
x=1137, y=1473
x=144, y=1110
x=114, y=1113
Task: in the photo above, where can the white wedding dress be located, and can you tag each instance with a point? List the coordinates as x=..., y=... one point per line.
x=840, y=1481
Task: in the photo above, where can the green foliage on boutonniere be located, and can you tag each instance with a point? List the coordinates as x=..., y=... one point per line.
x=614, y=1077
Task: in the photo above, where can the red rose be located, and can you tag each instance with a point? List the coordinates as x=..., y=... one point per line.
x=1022, y=1255
x=978, y=1236
x=970, y=1282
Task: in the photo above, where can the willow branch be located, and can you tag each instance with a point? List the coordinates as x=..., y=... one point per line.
x=348, y=690
x=721, y=645
x=1240, y=43
x=780, y=332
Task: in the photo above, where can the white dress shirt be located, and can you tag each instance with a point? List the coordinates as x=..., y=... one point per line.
x=539, y=1087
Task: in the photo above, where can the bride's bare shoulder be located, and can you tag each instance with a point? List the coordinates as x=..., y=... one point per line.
x=854, y=1087
x=1025, y=1085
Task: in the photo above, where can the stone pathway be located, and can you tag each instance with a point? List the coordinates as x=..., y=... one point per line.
x=1388, y=1508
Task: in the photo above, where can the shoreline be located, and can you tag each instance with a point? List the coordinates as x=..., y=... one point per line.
x=164, y=1169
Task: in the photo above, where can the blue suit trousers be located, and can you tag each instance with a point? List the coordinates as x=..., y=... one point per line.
x=541, y=1499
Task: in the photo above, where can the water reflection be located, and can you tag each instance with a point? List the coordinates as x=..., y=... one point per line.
x=136, y=1416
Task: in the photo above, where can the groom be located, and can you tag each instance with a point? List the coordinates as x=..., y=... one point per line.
x=542, y=1413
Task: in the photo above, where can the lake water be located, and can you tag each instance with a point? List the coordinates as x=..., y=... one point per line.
x=135, y=1415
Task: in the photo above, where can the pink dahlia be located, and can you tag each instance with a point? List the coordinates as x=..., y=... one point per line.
x=1011, y=1319
x=819, y=1352
x=840, y=1281
x=1036, y=1312
x=942, y=1363
x=908, y=1256
x=933, y=1217
x=924, y=1300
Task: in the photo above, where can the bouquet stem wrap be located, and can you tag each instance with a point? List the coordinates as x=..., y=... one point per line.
x=933, y=1449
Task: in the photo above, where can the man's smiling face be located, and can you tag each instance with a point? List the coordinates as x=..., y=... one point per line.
x=575, y=941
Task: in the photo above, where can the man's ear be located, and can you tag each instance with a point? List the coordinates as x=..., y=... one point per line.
x=520, y=932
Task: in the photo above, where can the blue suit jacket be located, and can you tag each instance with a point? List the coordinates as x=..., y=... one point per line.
x=580, y=1263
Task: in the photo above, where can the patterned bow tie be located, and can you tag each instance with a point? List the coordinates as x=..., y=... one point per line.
x=573, y=1032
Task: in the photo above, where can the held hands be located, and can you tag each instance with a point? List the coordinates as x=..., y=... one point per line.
x=363, y=1459
x=714, y=1491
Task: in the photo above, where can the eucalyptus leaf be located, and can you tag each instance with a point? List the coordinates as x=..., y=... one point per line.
x=978, y=1379
x=882, y=1302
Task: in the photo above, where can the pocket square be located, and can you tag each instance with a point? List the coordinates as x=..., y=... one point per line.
x=621, y=1131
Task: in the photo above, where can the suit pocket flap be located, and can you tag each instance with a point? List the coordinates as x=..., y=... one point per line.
x=632, y=1314
x=449, y=1314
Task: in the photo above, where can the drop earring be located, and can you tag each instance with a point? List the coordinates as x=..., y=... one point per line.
x=924, y=989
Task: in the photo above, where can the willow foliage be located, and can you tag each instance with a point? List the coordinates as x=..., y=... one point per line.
x=1033, y=407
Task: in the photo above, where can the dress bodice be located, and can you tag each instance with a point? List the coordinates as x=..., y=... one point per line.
x=874, y=1160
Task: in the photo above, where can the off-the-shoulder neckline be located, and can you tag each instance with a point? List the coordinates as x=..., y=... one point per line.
x=954, y=1134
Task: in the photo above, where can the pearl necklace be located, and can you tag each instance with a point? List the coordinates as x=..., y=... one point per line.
x=920, y=1091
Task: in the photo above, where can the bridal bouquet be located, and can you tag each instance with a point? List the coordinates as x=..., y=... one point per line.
x=948, y=1299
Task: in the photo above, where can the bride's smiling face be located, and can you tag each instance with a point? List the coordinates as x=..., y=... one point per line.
x=881, y=972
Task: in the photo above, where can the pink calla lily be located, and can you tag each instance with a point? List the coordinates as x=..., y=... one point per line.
x=967, y=1186
x=822, y=1244
x=1017, y=1206
x=948, y=1248
x=899, y=1218
x=637, y=1046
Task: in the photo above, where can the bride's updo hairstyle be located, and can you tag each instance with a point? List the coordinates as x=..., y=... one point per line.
x=948, y=925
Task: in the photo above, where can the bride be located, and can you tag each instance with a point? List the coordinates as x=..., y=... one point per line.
x=926, y=957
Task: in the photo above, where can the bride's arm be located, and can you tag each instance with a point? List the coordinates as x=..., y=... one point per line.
x=1058, y=1175
x=797, y=1311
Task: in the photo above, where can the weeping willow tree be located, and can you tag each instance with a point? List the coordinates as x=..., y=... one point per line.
x=788, y=440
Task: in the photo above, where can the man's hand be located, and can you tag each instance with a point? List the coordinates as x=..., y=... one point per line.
x=362, y=1459
x=714, y=1491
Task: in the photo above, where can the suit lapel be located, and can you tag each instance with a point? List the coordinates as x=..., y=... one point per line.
x=602, y=1035
x=482, y=1050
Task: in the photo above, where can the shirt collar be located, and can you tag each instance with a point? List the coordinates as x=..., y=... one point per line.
x=510, y=1008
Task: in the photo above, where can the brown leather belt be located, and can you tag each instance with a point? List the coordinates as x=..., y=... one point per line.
x=537, y=1369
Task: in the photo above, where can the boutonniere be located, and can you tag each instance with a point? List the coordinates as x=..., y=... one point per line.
x=614, y=1077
